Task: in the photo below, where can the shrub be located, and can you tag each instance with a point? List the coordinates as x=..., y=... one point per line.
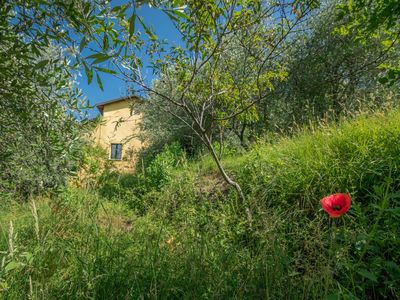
x=130, y=188
x=159, y=170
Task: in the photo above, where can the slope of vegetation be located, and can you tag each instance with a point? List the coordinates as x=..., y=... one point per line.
x=210, y=212
x=186, y=236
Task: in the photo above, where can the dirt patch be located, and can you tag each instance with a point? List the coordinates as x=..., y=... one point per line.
x=213, y=183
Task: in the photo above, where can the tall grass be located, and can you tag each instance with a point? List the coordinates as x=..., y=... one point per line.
x=190, y=239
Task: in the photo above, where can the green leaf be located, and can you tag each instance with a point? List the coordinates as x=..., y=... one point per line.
x=106, y=70
x=147, y=29
x=99, y=60
x=12, y=265
x=120, y=10
x=179, y=14
x=116, y=9
x=105, y=42
x=171, y=16
x=35, y=50
x=99, y=82
x=82, y=44
x=41, y=64
x=89, y=74
x=367, y=274
x=3, y=285
x=387, y=43
x=132, y=24
x=96, y=55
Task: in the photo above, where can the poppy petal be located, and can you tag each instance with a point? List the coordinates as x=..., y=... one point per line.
x=336, y=204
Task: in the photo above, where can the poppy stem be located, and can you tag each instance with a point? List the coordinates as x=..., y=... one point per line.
x=332, y=248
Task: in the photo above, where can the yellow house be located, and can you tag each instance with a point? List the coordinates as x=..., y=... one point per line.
x=117, y=131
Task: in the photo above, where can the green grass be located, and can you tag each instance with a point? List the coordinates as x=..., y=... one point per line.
x=190, y=239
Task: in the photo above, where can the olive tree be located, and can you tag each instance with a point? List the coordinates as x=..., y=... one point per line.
x=226, y=66
x=39, y=109
x=371, y=20
x=329, y=75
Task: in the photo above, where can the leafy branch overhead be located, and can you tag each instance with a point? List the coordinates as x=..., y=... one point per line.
x=378, y=19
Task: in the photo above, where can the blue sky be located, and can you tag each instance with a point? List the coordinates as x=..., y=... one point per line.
x=113, y=86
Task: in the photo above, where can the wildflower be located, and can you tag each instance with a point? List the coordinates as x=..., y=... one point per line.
x=336, y=204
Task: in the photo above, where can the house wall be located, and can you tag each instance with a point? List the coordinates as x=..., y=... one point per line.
x=119, y=126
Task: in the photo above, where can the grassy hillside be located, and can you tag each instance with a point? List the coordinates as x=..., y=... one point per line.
x=189, y=239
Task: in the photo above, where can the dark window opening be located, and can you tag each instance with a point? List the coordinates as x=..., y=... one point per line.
x=116, y=151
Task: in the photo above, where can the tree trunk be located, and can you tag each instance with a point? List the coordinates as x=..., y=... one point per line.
x=241, y=137
x=229, y=181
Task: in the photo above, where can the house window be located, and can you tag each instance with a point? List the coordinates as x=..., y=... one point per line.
x=116, y=151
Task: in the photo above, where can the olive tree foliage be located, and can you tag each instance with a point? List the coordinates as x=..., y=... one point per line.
x=374, y=19
x=159, y=128
x=233, y=82
x=39, y=107
x=328, y=75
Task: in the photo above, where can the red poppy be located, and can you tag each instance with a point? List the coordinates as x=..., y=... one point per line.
x=336, y=204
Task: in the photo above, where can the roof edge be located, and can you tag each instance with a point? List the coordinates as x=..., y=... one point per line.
x=100, y=105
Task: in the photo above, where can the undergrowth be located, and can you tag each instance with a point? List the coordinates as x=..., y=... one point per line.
x=186, y=236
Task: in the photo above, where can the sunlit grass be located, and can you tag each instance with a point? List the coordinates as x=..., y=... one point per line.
x=190, y=238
